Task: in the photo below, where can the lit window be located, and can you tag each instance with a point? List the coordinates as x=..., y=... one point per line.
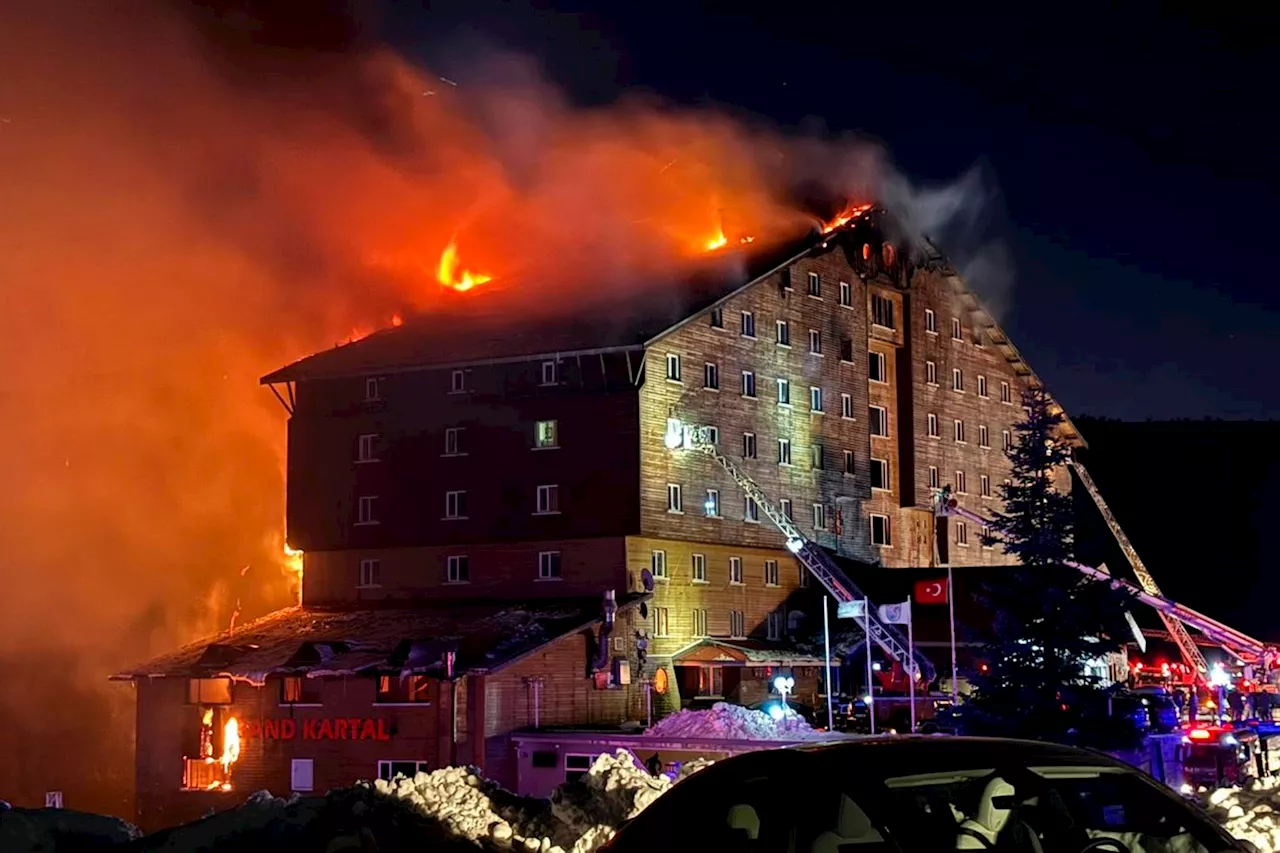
x=300, y=690
x=458, y=569
x=711, y=377
x=367, y=448
x=453, y=443
x=815, y=399
x=457, y=382
x=675, y=498
x=876, y=369
x=549, y=565
x=548, y=502
x=546, y=434
x=455, y=504
x=367, y=510
x=673, y=367
x=888, y=254
x=400, y=689
x=699, y=568
x=370, y=573
x=712, y=504
x=784, y=392
x=735, y=570
x=658, y=564
x=880, y=474
x=549, y=373
x=879, y=418
x=930, y=321
x=880, y=532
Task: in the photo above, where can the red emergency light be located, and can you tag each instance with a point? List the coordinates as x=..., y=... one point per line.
x=1198, y=734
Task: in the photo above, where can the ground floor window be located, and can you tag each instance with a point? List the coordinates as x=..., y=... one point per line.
x=391, y=769
x=710, y=681
x=577, y=766
x=302, y=775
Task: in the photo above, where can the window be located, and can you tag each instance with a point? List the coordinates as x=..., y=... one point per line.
x=879, y=474
x=548, y=500
x=1006, y=439
x=712, y=504
x=397, y=689
x=815, y=342
x=661, y=622
x=735, y=570
x=819, y=457
x=933, y=426
x=457, y=382
x=300, y=690
x=391, y=769
x=549, y=373
x=367, y=510
x=455, y=504
x=750, y=510
x=546, y=434
x=773, y=625
x=748, y=384
x=815, y=399
x=882, y=311
x=737, y=624
x=876, y=370
x=958, y=431
x=675, y=498
x=962, y=533
x=717, y=318
x=886, y=252
x=815, y=285
x=846, y=350
x=984, y=485
x=819, y=517
x=367, y=447
x=785, y=278
x=1005, y=396
x=879, y=417
x=302, y=775
x=962, y=487
x=982, y=385
x=804, y=577
x=748, y=445
x=784, y=451
x=984, y=535
x=673, y=367
x=955, y=329
x=931, y=373
x=699, y=568
x=846, y=406
x=711, y=376
x=370, y=573
x=880, y=533
x=784, y=333
x=372, y=389
x=658, y=564
x=930, y=321
x=848, y=462
x=784, y=392
x=457, y=569
x=957, y=379
x=748, y=324
x=453, y=442
x=713, y=434
x=846, y=294
x=770, y=572
x=982, y=436
x=209, y=691
x=933, y=476
x=699, y=623
x=549, y=565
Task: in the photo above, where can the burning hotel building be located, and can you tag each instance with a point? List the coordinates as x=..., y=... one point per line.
x=496, y=536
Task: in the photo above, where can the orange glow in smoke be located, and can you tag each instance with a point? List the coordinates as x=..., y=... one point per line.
x=846, y=216
x=716, y=242
x=447, y=274
x=293, y=566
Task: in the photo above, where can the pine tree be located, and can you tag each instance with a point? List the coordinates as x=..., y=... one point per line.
x=1049, y=620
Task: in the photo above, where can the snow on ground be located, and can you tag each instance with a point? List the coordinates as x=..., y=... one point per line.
x=733, y=722
x=1251, y=813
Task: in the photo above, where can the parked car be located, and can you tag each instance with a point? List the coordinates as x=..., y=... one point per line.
x=1163, y=711
x=916, y=794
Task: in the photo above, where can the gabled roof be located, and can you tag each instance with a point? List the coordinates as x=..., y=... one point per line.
x=316, y=643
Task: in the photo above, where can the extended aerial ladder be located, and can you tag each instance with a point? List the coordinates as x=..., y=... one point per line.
x=1176, y=617
x=681, y=436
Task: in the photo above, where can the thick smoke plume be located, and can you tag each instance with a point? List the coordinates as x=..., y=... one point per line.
x=190, y=199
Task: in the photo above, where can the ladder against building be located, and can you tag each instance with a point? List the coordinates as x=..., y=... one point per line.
x=1176, y=617
x=682, y=436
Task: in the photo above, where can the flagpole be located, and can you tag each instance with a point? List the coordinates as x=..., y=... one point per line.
x=826, y=638
x=871, y=690
x=911, y=653
x=951, y=605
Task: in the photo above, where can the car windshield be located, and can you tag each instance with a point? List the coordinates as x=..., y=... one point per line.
x=810, y=806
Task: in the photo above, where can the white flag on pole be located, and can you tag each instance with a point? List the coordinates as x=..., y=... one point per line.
x=896, y=614
x=851, y=609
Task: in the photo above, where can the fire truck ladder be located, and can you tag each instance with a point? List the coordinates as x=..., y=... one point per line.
x=681, y=436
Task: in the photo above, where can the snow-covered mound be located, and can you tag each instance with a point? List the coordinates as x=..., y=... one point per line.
x=1251, y=813
x=59, y=829
x=733, y=722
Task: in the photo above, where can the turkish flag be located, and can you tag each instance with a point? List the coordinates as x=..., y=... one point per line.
x=931, y=592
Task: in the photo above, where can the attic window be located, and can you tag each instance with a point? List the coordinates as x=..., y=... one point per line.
x=209, y=691
x=402, y=690
x=299, y=690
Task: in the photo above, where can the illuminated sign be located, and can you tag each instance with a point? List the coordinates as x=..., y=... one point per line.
x=344, y=728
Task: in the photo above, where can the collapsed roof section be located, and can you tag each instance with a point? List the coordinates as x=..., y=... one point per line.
x=484, y=638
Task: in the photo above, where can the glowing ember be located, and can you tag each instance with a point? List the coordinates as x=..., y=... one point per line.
x=846, y=216
x=448, y=271
x=745, y=240
x=397, y=320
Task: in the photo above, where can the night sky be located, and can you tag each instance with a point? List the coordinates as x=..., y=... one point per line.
x=1133, y=153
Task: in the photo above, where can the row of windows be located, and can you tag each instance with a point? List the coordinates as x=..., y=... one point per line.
x=821, y=514
x=931, y=326
x=961, y=485
x=549, y=375
x=546, y=501
x=458, y=569
x=957, y=382
x=546, y=436
x=960, y=436
x=699, y=623
x=658, y=566
x=962, y=535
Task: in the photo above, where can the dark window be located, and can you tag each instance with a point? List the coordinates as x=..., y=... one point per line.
x=391, y=769
x=876, y=369
x=879, y=474
x=815, y=285
x=846, y=349
x=882, y=311
x=717, y=318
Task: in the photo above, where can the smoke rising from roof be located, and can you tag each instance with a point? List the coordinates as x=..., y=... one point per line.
x=195, y=195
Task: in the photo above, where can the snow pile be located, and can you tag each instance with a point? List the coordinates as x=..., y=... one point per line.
x=733, y=722
x=1251, y=813
x=59, y=829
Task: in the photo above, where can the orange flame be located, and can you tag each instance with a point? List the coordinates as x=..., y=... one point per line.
x=230, y=747
x=717, y=241
x=846, y=216
x=448, y=271
x=293, y=566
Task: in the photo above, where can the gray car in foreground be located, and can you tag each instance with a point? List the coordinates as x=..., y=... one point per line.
x=919, y=794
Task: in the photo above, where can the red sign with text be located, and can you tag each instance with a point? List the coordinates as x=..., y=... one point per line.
x=343, y=728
